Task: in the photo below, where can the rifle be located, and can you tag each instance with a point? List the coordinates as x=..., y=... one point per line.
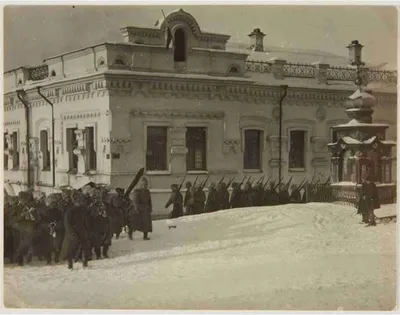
x=222, y=179
x=265, y=185
x=134, y=182
x=327, y=181
x=288, y=183
x=303, y=183
x=252, y=181
x=248, y=180
x=260, y=180
x=241, y=183
x=180, y=186
x=204, y=184
x=276, y=186
x=230, y=182
x=195, y=181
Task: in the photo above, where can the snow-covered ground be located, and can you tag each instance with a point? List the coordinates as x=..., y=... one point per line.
x=293, y=257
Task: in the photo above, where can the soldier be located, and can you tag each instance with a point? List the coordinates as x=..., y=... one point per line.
x=56, y=224
x=199, y=198
x=258, y=195
x=246, y=199
x=284, y=197
x=76, y=232
x=143, y=205
x=295, y=196
x=235, y=196
x=188, y=202
x=176, y=200
x=117, y=212
x=100, y=225
x=368, y=201
x=271, y=196
x=212, y=201
x=222, y=197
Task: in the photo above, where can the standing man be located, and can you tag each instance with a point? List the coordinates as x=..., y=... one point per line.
x=199, y=198
x=176, y=200
x=235, y=196
x=369, y=201
x=143, y=205
x=295, y=196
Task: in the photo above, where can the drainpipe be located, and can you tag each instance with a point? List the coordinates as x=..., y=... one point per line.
x=284, y=87
x=53, y=167
x=28, y=153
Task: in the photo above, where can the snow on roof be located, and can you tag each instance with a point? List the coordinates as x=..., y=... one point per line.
x=350, y=140
x=355, y=123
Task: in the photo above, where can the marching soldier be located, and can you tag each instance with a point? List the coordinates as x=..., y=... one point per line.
x=246, y=196
x=222, y=197
x=368, y=201
x=199, y=198
x=117, y=212
x=212, y=199
x=235, y=196
x=284, y=197
x=176, y=200
x=188, y=202
x=76, y=232
x=271, y=196
x=258, y=195
x=295, y=196
x=143, y=205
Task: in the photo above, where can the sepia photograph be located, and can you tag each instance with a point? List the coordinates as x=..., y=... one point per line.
x=200, y=157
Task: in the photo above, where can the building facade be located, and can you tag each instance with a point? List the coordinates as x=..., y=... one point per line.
x=200, y=107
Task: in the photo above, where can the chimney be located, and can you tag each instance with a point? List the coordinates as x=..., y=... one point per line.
x=257, y=40
x=355, y=53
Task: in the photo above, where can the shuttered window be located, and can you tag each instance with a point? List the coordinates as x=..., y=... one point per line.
x=91, y=163
x=71, y=145
x=252, y=150
x=14, y=141
x=196, y=143
x=297, y=149
x=156, y=151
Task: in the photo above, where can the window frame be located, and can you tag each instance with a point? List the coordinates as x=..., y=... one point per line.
x=167, y=149
x=6, y=151
x=69, y=169
x=306, y=146
x=15, y=151
x=94, y=126
x=261, y=148
x=45, y=168
x=206, y=147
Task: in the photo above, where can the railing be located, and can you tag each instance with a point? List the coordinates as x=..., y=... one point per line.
x=299, y=70
x=39, y=72
x=332, y=72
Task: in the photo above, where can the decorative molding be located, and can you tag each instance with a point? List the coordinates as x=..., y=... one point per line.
x=231, y=146
x=12, y=123
x=117, y=140
x=178, y=114
x=81, y=115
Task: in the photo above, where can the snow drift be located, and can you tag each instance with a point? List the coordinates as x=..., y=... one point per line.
x=292, y=257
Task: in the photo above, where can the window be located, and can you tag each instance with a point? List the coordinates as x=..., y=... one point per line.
x=15, y=155
x=72, y=144
x=5, y=154
x=53, y=73
x=156, y=153
x=180, y=46
x=334, y=136
x=375, y=166
x=44, y=148
x=345, y=167
x=90, y=158
x=252, y=149
x=297, y=149
x=196, y=145
x=119, y=62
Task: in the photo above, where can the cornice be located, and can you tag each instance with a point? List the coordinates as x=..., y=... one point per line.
x=245, y=92
x=80, y=115
x=177, y=114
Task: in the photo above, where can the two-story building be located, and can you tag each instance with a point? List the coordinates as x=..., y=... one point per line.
x=200, y=107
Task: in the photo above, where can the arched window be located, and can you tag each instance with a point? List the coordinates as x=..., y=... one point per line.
x=19, y=81
x=119, y=62
x=53, y=73
x=179, y=46
x=138, y=41
x=345, y=166
x=102, y=62
x=233, y=70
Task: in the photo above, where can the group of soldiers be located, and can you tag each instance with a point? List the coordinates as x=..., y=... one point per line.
x=75, y=223
x=72, y=224
x=244, y=194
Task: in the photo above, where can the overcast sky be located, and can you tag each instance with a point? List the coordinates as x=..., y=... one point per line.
x=33, y=33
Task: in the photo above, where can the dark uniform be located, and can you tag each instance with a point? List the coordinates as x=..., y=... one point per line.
x=284, y=197
x=188, y=201
x=368, y=202
x=199, y=198
x=100, y=226
x=143, y=205
x=271, y=196
x=176, y=200
x=295, y=196
x=76, y=233
x=246, y=197
x=117, y=212
x=212, y=199
x=222, y=197
x=258, y=195
x=235, y=196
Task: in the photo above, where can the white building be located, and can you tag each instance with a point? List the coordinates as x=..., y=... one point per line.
x=200, y=107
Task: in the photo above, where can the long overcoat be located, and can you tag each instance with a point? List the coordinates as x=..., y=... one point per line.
x=143, y=206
